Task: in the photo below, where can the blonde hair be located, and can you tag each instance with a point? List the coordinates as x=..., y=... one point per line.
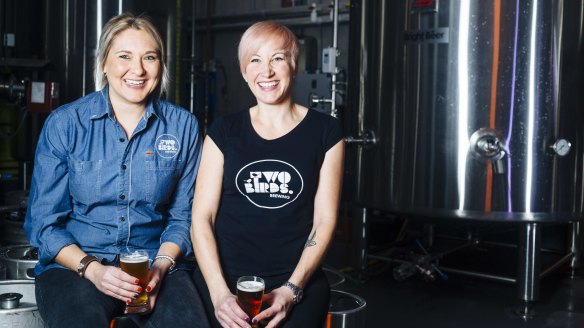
x=112, y=29
x=259, y=33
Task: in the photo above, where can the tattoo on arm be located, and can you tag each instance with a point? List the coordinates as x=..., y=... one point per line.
x=311, y=241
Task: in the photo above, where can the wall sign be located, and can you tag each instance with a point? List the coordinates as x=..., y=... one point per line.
x=435, y=35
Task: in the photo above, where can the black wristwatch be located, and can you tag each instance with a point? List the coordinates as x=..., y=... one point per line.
x=297, y=291
x=84, y=263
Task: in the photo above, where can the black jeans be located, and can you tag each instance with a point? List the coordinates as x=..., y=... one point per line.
x=311, y=312
x=66, y=300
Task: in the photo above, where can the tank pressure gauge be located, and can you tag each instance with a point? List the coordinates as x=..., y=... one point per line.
x=562, y=147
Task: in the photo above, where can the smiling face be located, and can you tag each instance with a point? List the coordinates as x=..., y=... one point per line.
x=132, y=67
x=268, y=73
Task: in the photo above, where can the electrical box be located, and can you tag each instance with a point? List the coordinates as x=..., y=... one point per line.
x=42, y=97
x=329, y=60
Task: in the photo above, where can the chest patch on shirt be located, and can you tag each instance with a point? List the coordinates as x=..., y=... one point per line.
x=269, y=183
x=167, y=145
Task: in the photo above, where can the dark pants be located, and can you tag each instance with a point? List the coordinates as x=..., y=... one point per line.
x=311, y=312
x=66, y=300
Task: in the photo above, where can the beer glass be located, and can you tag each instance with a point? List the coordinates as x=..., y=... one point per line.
x=135, y=263
x=250, y=290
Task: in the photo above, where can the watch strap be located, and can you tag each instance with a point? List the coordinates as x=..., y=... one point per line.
x=82, y=266
x=297, y=291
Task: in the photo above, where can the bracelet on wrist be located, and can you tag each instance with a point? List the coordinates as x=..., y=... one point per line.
x=165, y=257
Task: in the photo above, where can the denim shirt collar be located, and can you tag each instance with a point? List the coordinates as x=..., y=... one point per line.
x=104, y=107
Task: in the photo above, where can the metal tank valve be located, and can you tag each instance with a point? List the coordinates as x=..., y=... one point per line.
x=366, y=139
x=485, y=144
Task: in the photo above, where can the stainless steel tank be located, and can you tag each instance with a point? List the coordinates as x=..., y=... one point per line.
x=78, y=25
x=476, y=108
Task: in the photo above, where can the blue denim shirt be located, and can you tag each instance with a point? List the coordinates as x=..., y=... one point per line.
x=93, y=187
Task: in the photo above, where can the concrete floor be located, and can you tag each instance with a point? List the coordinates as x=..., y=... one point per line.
x=466, y=302
x=461, y=300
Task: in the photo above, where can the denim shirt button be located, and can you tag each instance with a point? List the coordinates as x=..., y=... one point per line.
x=122, y=196
x=122, y=139
x=122, y=219
x=123, y=166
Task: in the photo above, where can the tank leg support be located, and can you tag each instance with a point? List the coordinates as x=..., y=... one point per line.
x=528, y=271
x=526, y=311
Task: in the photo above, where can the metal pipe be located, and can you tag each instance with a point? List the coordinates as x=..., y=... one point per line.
x=429, y=234
x=84, y=65
x=575, y=240
x=529, y=262
x=207, y=64
x=479, y=275
x=47, y=30
x=361, y=102
x=172, y=29
x=334, y=74
x=386, y=259
x=361, y=236
x=192, y=66
x=366, y=139
x=2, y=20
x=9, y=208
x=67, y=38
x=291, y=18
x=498, y=244
x=451, y=270
x=25, y=175
x=556, y=265
x=177, y=52
x=335, y=23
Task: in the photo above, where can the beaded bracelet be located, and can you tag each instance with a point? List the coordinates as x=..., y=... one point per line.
x=166, y=257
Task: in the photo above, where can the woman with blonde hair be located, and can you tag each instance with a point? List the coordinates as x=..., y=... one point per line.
x=115, y=170
x=267, y=193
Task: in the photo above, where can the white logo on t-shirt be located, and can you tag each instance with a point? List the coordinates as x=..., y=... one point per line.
x=269, y=183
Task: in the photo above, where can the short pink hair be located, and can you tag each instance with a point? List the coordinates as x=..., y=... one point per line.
x=259, y=33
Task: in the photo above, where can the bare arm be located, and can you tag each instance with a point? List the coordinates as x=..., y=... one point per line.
x=205, y=205
x=326, y=207
x=326, y=204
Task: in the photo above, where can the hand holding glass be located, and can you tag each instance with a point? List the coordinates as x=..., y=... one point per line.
x=135, y=263
x=250, y=290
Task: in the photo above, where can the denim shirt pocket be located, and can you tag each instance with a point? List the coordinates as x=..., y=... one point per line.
x=161, y=179
x=85, y=181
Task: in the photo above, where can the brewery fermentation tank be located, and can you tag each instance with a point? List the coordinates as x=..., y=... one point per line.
x=470, y=110
x=476, y=107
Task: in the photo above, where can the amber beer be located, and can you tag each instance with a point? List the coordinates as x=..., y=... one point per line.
x=250, y=290
x=135, y=263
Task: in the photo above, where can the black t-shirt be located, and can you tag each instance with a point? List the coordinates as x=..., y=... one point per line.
x=267, y=201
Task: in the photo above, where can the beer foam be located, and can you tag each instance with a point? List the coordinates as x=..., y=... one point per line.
x=250, y=286
x=134, y=258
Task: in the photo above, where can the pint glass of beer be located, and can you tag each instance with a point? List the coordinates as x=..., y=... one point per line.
x=250, y=290
x=135, y=263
